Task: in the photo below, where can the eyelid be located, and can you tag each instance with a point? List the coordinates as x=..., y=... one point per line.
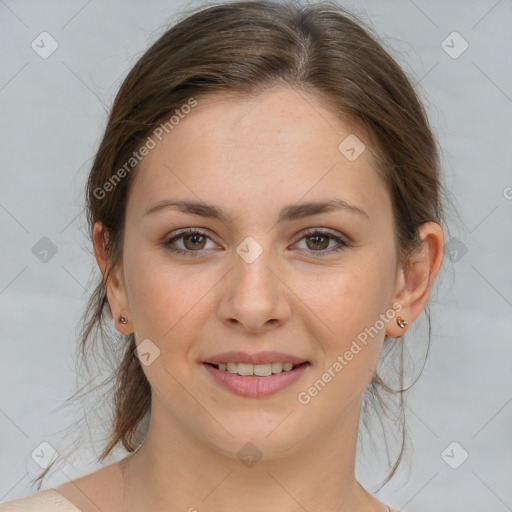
x=183, y=232
x=342, y=241
x=323, y=231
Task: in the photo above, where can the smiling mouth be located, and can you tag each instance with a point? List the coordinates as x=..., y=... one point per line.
x=257, y=370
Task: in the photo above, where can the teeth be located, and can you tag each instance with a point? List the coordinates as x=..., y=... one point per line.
x=261, y=370
x=245, y=369
x=276, y=367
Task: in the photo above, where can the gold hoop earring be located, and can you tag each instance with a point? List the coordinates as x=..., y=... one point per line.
x=401, y=322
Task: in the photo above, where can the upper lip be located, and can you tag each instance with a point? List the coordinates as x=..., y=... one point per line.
x=254, y=358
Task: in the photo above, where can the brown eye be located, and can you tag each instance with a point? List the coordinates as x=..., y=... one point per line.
x=318, y=241
x=194, y=241
x=189, y=243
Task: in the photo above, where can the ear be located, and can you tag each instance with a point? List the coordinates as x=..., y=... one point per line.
x=116, y=293
x=414, y=282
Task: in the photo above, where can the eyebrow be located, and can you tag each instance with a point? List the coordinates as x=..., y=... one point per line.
x=287, y=213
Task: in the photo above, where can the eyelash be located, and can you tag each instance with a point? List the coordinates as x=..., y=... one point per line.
x=191, y=231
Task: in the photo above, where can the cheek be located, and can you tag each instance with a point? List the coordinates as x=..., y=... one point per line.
x=165, y=299
x=351, y=346
x=350, y=302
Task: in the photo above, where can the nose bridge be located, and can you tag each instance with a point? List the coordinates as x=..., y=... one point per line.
x=252, y=268
x=256, y=274
x=254, y=293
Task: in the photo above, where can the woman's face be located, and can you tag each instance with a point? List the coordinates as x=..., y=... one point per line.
x=267, y=276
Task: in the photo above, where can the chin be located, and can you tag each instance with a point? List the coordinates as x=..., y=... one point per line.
x=258, y=435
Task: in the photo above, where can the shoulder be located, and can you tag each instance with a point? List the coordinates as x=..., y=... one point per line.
x=48, y=500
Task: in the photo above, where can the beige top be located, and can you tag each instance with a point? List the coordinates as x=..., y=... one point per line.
x=51, y=500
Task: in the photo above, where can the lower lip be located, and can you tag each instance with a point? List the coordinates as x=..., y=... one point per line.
x=254, y=386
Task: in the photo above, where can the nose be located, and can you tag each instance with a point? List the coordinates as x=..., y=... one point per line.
x=255, y=297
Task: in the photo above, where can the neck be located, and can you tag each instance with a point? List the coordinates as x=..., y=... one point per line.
x=183, y=472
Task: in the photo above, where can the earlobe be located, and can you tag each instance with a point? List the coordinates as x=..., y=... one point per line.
x=116, y=293
x=416, y=280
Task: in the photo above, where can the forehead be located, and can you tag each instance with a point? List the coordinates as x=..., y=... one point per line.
x=279, y=146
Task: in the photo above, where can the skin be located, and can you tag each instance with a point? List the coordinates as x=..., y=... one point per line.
x=251, y=157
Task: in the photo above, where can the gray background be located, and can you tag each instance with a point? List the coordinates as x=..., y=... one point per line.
x=52, y=116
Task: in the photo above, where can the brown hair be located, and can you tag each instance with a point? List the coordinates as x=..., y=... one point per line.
x=243, y=48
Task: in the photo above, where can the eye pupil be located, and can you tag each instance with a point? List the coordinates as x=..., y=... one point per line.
x=316, y=237
x=194, y=242
x=195, y=237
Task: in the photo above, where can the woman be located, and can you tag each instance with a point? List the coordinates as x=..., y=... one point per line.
x=265, y=209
